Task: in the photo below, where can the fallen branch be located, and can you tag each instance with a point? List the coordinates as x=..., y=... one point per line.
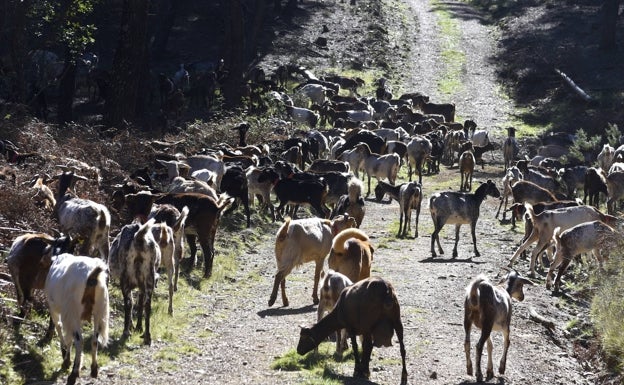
x=576, y=88
x=533, y=316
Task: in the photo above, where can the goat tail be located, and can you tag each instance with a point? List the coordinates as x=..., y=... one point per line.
x=101, y=307
x=355, y=188
x=340, y=241
x=529, y=210
x=181, y=220
x=282, y=233
x=472, y=292
x=224, y=202
x=144, y=228
x=556, y=238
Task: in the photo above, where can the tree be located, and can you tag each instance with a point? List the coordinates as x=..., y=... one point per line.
x=130, y=64
x=610, y=11
x=234, y=54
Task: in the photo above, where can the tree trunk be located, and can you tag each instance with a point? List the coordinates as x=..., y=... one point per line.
x=165, y=20
x=610, y=10
x=235, y=47
x=257, y=28
x=129, y=63
x=14, y=36
x=67, y=90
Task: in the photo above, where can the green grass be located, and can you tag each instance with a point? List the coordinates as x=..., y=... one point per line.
x=453, y=58
x=607, y=308
x=321, y=367
x=24, y=356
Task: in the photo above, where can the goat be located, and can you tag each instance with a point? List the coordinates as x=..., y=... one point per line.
x=211, y=162
x=202, y=222
x=134, y=258
x=606, y=157
x=466, y=169
x=510, y=147
x=43, y=194
x=28, y=263
x=410, y=198
x=351, y=254
x=304, y=240
x=384, y=188
x=180, y=185
x=595, y=183
x=355, y=158
x=418, y=149
x=312, y=192
x=545, y=223
x=525, y=191
x=164, y=238
x=615, y=188
x=323, y=165
x=368, y=308
x=260, y=189
x=582, y=238
x=333, y=284
x=234, y=184
x=573, y=178
x=512, y=175
x=489, y=308
x=82, y=219
x=176, y=220
x=380, y=166
x=458, y=208
x=76, y=291
x=351, y=203
x=303, y=115
x=445, y=109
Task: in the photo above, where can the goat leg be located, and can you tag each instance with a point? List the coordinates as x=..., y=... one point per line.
x=503, y=361
x=279, y=277
x=367, y=349
x=457, y=227
x=473, y=227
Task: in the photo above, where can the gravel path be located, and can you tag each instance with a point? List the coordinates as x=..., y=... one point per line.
x=238, y=336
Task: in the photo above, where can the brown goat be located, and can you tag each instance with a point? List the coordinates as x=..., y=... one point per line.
x=202, y=222
x=466, y=169
x=351, y=254
x=368, y=308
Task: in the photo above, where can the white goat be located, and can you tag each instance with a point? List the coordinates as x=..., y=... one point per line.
x=355, y=157
x=335, y=146
x=380, y=166
x=606, y=157
x=210, y=162
x=82, y=219
x=545, y=223
x=304, y=240
x=489, y=308
x=180, y=185
x=316, y=93
x=511, y=176
x=76, y=291
x=134, y=257
x=585, y=237
x=259, y=189
x=418, y=150
x=333, y=284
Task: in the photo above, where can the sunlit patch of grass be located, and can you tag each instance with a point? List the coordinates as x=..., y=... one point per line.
x=453, y=58
x=320, y=367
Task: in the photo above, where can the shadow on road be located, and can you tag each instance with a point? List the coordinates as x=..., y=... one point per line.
x=286, y=311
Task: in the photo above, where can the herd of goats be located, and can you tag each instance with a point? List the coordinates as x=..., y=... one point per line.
x=318, y=167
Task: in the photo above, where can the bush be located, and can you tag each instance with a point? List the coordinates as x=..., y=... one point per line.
x=607, y=308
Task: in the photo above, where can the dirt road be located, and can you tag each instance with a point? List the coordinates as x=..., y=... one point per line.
x=238, y=337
